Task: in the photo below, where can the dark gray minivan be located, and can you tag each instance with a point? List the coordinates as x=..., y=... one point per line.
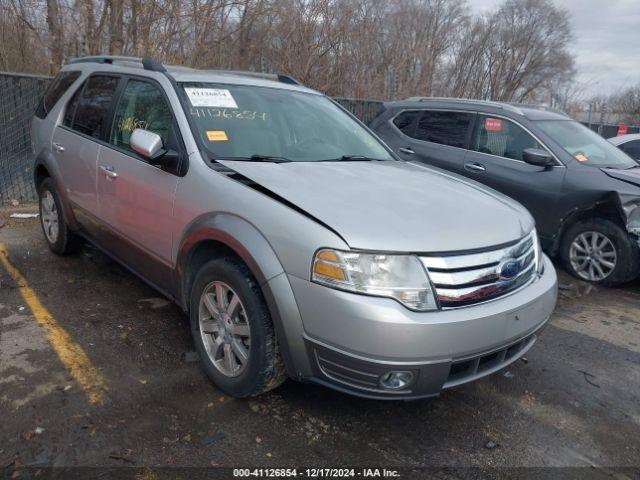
x=582, y=191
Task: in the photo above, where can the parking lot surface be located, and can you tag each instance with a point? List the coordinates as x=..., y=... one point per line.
x=574, y=400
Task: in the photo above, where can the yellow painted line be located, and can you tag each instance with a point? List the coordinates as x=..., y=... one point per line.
x=70, y=353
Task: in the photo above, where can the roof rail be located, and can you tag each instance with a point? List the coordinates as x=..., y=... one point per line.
x=267, y=76
x=155, y=66
x=146, y=62
x=502, y=105
x=539, y=107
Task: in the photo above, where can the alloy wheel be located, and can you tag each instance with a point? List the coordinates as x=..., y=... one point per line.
x=49, y=216
x=593, y=256
x=224, y=328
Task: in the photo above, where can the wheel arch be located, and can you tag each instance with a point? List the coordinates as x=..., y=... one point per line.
x=224, y=234
x=608, y=208
x=45, y=166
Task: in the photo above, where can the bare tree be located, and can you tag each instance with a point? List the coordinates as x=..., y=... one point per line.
x=360, y=48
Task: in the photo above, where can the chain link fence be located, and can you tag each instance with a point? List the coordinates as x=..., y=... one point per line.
x=19, y=96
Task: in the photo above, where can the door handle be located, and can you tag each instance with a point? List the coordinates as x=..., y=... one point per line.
x=407, y=150
x=474, y=167
x=109, y=172
x=58, y=147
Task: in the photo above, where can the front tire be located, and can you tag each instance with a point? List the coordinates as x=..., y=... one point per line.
x=232, y=330
x=601, y=252
x=60, y=239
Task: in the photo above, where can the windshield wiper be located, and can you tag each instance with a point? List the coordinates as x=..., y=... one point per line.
x=268, y=158
x=258, y=158
x=353, y=158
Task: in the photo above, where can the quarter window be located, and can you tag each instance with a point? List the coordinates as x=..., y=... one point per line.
x=142, y=106
x=57, y=88
x=445, y=128
x=93, y=107
x=501, y=137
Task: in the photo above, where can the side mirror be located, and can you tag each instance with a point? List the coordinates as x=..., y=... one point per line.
x=537, y=157
x=148, y=145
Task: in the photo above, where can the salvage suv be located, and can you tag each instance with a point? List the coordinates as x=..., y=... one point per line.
x=296, y=241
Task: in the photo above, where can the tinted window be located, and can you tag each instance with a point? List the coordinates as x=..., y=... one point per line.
x=142, y=105
x=58, y=86
x=93, y=106
x=632, y=149
x=446, y=128
x=501, y=137
x=70, y=109
x=405, y=122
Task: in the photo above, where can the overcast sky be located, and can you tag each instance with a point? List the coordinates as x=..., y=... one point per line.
x=606, y=41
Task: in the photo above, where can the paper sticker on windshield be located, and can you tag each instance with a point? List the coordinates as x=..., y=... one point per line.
x=581, y=158
x=210, y=97
x=217, y=136
x=492, y=125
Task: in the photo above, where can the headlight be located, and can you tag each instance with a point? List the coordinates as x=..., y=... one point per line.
x=537, y=252
x=402, y=277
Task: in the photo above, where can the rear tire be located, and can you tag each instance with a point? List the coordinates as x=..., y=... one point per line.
x=60, y=239
x=601, y=252
x=237, y=345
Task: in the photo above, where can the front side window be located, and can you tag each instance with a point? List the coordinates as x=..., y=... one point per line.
x=240, y=121
x=93, y=106
x=142, y=105
x=58, y=86
x=585, y=145
x=502, y=138
x=444, y=128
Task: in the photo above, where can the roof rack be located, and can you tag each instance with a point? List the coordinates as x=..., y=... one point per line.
x=502, y=105
x=155, y=66
x=538, y=107
x=146, y=62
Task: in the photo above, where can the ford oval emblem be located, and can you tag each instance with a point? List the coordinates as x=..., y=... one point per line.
x=508, y=269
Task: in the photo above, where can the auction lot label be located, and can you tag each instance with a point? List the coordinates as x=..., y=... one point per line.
x=210, y=97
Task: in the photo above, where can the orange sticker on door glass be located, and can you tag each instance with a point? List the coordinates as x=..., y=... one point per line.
x=217, y=136
x=581, y=158
x=492, y=125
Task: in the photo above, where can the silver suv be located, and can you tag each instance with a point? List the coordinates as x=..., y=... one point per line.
x=299, y=245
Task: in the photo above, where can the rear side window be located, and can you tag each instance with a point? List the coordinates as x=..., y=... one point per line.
x=58, y=86
x=70, y=109
x=501, y=137
x=405, y=122
x=142, y=105
x=445, y=128
x=632, y=149
x=91, y=113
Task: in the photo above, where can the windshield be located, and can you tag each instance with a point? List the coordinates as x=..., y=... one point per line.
x=585, y=145
x=241, y=122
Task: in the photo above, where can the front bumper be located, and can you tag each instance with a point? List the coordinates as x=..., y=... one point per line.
x=351, y=340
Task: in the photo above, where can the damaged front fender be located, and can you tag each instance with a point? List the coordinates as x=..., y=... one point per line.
x=630, y=209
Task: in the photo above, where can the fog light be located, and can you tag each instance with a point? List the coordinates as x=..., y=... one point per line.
x=396, y=380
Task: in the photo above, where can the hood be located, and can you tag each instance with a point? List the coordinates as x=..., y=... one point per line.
x=631, y=176
x=394, y=206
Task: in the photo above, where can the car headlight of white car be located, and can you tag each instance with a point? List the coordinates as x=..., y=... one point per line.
x=401, y=277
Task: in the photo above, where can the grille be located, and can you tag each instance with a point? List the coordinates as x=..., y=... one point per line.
x=468, y=369
x=467, y=279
